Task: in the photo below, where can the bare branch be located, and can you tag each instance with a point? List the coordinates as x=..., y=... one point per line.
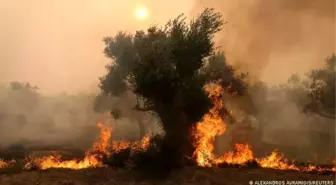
x=325, y=115
x=144, y=109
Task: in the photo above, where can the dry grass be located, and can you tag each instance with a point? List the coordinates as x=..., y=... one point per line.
x=187, y=176
x=14, y=175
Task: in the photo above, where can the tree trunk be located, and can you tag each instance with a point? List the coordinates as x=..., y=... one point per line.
x=177, y=143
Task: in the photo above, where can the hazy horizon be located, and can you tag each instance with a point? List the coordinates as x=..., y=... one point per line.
x=58, y=46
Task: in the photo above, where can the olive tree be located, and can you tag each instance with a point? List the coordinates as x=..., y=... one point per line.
x=167, y=69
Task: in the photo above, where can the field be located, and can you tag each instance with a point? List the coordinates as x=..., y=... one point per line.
x=16, y=175
x=187, y=176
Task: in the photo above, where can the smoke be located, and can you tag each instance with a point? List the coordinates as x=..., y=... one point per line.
x=58, y=44
x=273, y=40
x=33, y=119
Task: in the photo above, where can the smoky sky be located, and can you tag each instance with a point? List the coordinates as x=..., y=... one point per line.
x=274, y=38
x=58, y=44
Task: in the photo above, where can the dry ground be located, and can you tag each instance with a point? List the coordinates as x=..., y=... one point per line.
x=108, y=176
x=188, y=176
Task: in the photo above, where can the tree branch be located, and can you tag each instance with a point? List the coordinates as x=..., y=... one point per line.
x=144, y=109
x=312, y=108
x=325, y=115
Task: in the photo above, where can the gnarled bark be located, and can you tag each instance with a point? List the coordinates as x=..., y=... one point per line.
x=177, y=144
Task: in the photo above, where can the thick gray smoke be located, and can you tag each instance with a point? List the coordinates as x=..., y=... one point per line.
x=272, y=39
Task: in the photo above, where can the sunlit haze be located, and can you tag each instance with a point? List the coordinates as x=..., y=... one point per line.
x=141, y=13
x=58, y=44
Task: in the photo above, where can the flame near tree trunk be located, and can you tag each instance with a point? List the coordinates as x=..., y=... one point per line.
x=207, y=129
x=213, y=125
x=204, y=133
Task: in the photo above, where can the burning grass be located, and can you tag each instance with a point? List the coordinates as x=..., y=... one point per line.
x=213, y=125
x=93, y=157
x=6, y=164
x=145, y=153
x=242, y=156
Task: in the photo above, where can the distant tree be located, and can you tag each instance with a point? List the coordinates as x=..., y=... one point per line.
x=24, y=95
x=167, y=69
x=21, y=100
x=16, y=86
x=297, y=90
x=322, y=89
x=315, y=92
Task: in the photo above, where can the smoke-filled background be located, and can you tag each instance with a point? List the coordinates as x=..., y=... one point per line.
x=273, y=40
x=58, y=46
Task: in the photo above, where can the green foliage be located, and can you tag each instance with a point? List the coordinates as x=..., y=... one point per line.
x=218, y=71
x=296, y=89
x=315, y=92
x=167, y=68
x=322, y=87
x=168, y=60
x=22, y=95
x=121, y=50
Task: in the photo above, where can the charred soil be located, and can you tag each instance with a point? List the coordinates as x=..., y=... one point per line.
x=190, y=175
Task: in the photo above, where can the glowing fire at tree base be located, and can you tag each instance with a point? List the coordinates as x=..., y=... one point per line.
x=213, y=125
x=205, y=132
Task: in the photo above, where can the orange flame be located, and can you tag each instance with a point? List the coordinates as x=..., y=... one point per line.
x=276, y=161
x=208, y=128
x=93, y=157
x=134, y=146
x=55, y=161
x=103, y=144
x=4, y=164
x=205, y=132
x=213, y=125
x=240, y=155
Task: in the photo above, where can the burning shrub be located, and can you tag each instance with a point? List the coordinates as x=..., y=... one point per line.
x=133, y=156
x=118, y=159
